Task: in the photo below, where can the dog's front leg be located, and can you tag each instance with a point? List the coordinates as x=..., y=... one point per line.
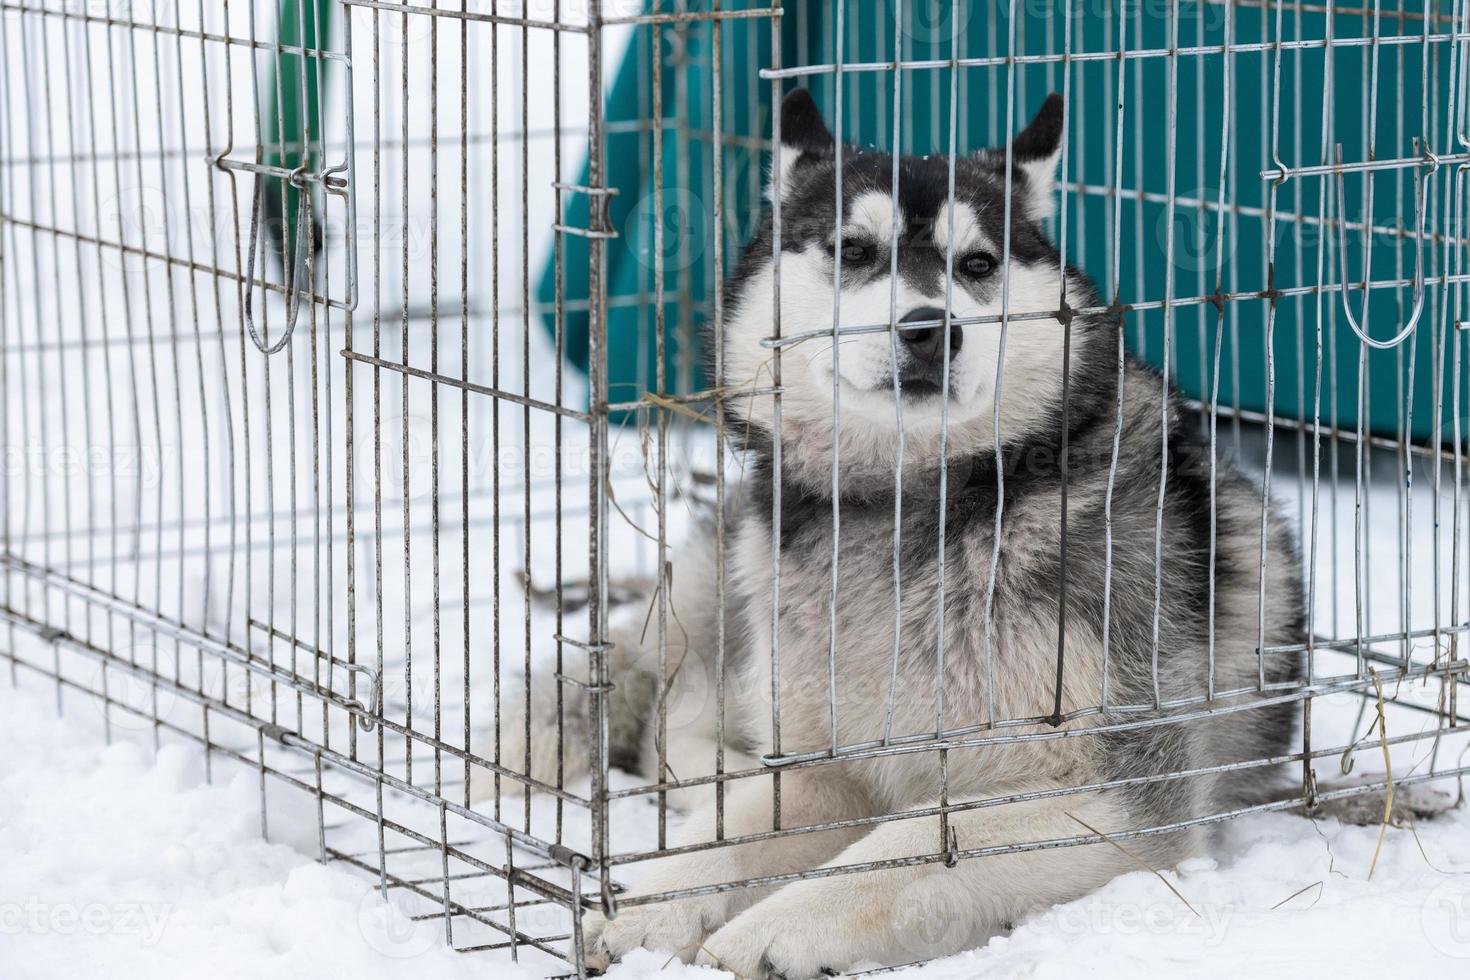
x=909, y=912
x=680, y=926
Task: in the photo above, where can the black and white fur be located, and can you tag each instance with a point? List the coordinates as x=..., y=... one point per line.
x=902, y=912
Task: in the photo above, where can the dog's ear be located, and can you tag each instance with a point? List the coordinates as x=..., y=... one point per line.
x=804, y=135
x=1034, y=155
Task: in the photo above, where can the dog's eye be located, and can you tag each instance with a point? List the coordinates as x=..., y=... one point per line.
x=977, y=264
x=856, y=253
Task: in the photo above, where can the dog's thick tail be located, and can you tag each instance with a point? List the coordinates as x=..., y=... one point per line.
x=655, y=705
x=545, y=739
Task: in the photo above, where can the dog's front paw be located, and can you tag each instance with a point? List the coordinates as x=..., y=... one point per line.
x=760, y=944
x=675, y=927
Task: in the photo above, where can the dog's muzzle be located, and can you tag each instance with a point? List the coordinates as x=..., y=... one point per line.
x=920, y=366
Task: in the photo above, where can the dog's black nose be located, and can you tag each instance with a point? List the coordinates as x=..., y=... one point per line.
x=926, y=343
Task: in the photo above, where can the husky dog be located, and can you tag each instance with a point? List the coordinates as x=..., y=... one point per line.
x=957, y=647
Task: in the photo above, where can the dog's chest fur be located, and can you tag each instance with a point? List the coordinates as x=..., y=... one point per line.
x=1010, y=676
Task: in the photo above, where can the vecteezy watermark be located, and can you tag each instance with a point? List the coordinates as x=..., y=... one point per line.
x=682, y=217
x=123, y=11
x=1445, y=917
x=935, y=915
x=1096, y=915
x=931, y=21
x=401, y=462
x=34, y=916
x=131, y=464
x=129, y=701
x=396, y=927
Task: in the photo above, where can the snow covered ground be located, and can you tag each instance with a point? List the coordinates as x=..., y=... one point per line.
x=122, y=862
x=119, y=862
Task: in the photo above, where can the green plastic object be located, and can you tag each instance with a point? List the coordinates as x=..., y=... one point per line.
x=291, y=112
x=1231, y=271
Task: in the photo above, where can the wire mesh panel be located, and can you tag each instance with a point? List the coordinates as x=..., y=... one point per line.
x=170, y=514
x=455, y=413
x=284, y=476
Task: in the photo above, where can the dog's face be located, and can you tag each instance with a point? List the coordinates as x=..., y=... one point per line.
x=902, y=258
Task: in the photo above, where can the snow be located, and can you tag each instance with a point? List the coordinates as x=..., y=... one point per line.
x=119, y=862
x=122, y=861
x=1282, y=902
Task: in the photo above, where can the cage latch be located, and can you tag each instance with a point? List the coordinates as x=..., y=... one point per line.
x=609, y=899
x=952, y=851
x=599, y=223
x=366, y=714
x=1419, y=208
x=296, y=271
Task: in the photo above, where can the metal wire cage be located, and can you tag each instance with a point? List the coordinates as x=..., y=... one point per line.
x=300, y=468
